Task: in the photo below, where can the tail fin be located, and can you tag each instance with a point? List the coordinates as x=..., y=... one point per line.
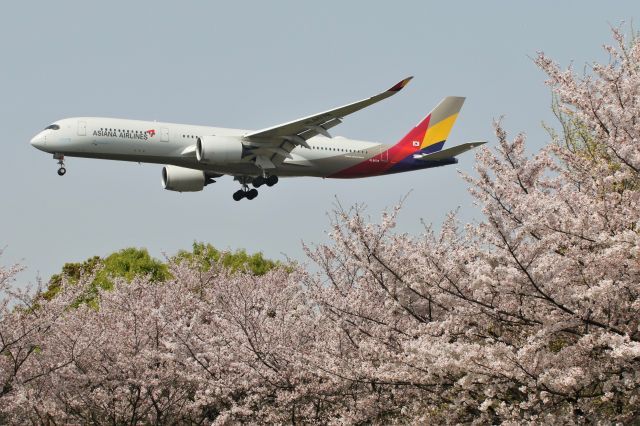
x=432, y=132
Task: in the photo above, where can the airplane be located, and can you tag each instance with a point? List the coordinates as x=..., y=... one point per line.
x=197, y=155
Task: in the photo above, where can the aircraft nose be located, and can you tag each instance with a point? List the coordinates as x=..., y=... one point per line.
x=38, y=141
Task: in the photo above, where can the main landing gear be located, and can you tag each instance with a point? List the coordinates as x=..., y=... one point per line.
x=247, y=193
x=257, y=182
x=261, y=180
x=61, y=169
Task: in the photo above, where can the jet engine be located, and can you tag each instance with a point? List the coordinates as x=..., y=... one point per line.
x=218, y=149
x=181, y=179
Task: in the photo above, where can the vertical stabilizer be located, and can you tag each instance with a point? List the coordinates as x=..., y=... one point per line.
x=432, y=132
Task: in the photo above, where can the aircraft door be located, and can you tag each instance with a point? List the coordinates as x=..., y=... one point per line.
x=384, y=154
x=164, y=135
x=82, y=128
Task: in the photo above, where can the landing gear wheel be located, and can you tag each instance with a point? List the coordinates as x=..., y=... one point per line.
x=239, y=195
x=60, y=158
x=258, y=182
x=272, y=180
x=251, y=194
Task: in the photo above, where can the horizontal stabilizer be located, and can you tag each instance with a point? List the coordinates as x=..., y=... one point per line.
x=450, y=152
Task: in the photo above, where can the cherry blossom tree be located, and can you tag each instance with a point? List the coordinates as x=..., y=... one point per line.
x=25, y=322
x=213, y=345
x=531, y=314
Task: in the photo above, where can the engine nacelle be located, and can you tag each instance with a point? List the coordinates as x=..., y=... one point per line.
x=218, y=149
x=181, y=179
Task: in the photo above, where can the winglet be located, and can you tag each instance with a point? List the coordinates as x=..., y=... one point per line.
x=400, y=85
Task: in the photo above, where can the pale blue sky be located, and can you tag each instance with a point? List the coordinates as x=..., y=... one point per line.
x=252, y=65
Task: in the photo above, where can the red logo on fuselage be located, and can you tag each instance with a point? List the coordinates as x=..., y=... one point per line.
x=151, y=132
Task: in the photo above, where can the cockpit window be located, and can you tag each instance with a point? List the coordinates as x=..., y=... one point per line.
x=52, y=127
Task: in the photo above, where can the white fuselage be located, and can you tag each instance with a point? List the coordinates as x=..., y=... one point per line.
x=174, y=144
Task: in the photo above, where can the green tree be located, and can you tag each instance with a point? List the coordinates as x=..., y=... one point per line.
x=73, y=271
x=204, y=256
x=127, y=263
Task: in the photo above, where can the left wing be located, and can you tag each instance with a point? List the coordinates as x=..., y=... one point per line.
x=275, y=143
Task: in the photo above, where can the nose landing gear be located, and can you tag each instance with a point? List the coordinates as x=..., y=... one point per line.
x=61, y=169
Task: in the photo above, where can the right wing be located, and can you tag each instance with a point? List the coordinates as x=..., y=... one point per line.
x=273, y=144
x=321, y=122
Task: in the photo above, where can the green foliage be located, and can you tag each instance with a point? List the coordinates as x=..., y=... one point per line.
x=204, y=256
x=130, y=263
x=127, y=263
x=557, y=344
x=73, y=271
